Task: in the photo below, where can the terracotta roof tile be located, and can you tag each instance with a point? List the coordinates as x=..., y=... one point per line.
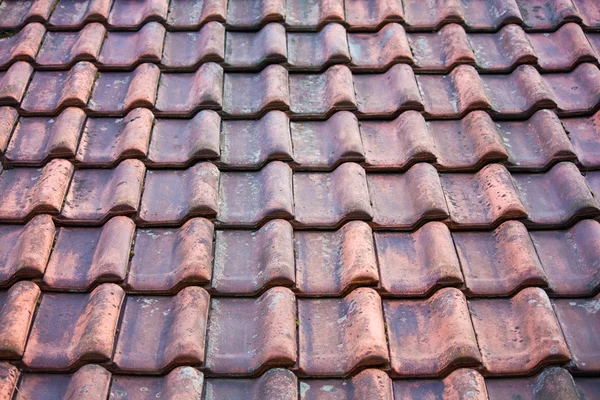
x=125, y=15
x=18, y=305
x=578, y=91
x=62, y=49
x=181, y=383
x=9, y=376
x=13, y=83
x=315, y=51
x=188, y=14
x=17, y=13
x=68, y=15
x=250, y=50
x=126, y=49
x=443, y=50
x=503, y=50
x=22, y=46
x=584, y=134
x=569, y=37
x=313, y=14
x=587, y=387
x=252, y=14
x=589, y=12
x=365, y=15
x=376, y=52
x=276, y=383
x=552, y=382
x=368, y=384
x=188, y=50
x=542, y=14
x=462, y=383
x=8, y=119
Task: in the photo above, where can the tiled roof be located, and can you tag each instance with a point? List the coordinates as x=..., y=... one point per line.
x=299, y=199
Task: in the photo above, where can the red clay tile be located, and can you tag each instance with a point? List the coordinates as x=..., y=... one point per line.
x=157, y=333
x=276, y=383
x=187, y=50
x=14, y=82
x=95, y=195
x=378, y=51
x=366, y=15
x=587, y=388
x=8, y=119
x=504, y=50
x=316, y=51
x=333, y=263
x=30, y=191
x=172, y=197
x=126, y=49
x=63, y=49
x=178, y=143
x=326, y=200
x=340, y=336
x=9, y=376
x=499, y=263
x=520, y=335
x=570, y=258
x=432, y=14
x=23, y=46
x=323, y=145
x=25, y=249
x=246, y=262
x=443, y=50
x=460, y=384
x=547, y=14
x=576, y=92
x=127, y=15
x=15, y=14
x=387, y=94
x=166, y=259
x=267, y=195
x=484, y=199
x=415, y=264
x=249, y=144
x=74, y=329
x=369, y=384
x=83, y=257
x=73, y=14
x=247, y=336
x=252, y=14
x=250, y=50
x=89, y=382
x=17, y=306
x=320, y=95
x=313, y=14
x=182, y=383
x=584, y=134
x=551, y=383
x=189, y=14
x=430, y=337
x=569, y=42
x=116, y=93
x=404, y=201
x=589, y=12
x=184, y=94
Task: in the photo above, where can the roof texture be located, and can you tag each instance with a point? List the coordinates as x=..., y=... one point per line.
x=291, y=199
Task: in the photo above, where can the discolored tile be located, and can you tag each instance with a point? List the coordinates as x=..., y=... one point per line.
x=8, y=120
x=443, y=50
x=569, y=42
x=180, y=383
x=126, y=49
x=17, y=306
x=551, y=383
x=504, y=50
x=190, y=14
x=371, y=15
x=368, y=384
x=23, y=46
x=13, y=83
x=379, y=51
x=252, y=50
x=546, y=15
x=9, y=376
x=126, y=15
x=63, y=48
x=19, y=12
x=72, y=14
x=462, y=384
x=315, y=51
x=277, y=383
x=578, y=91
x=584, y=134
x=252, y=14
x=187, y=50
x=313, y=14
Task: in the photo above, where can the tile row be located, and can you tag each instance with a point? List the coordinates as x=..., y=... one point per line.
x=311, y=263
x=301, y=15
x=302, y=96
x=301, y=51
x=315, y=337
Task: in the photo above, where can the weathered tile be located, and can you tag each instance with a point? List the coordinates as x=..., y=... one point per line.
x=589, y=11
x=443, y=50
x=551, y=383
x=191, y=14
x=368, y=384
x=90, y=381
x=584, y=134
x=63, y=49
x=15, y=14
x=126, y=49
x=460, y=384
x=181, y=383
x=576, y=92
x=9, y=376
x=433, y=14
x=504, y=50
x=72, y=14
x=252, y=50
x=569, y=43
x=276, y=383
x=252, y=14
x=17, y=306
x=8, y=120
x=587, y=388
x=368, y=15
x=316, y=51
x=547, y=14
x=14, y=82
x=127, y=15
x=23, y=46
x=187, y=50
x=313, y=14
x=378, y=51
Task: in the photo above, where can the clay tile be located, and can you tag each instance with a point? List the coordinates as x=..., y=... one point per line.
x=37, y=139
x=166, y=259
x=105, y=141
x=461, y=384
x=249, y=95
x=68, y=14
x=246, y=262
x=22, y=46
x=171, y=197
x=96, y=195
x=556, y=197
x=326, y=200
x=499, y=263
x=83, y=257
x=315, y=51
x=569, y=42
x=340, y=336
x=8, y=119
x=187, y=50
x=551, y=383
x=25, y=249
x=126, y=49
x=333, y=263
x=15, y=14
x=157, y=333
x=576, y=92
x=266, y=194
x=368, y=384
x=269, y=320
x=183, y=383
x=249, y=50
x=587, y=388
x=115, y=93
x=504, y=50
x=443, y=50
x=323, y=145
x=378, y=51
x=91, y=379
x=414, y=264
x=455, y=94
x=387, y=94
x=28, y=191
x=17, y=306
x=314, y=14
x=126, y=15
x=184, y=94
x=492, y=14
x=188, y=14
x=432, y=14
x=50, y=92
x=276, y=383
x=548, y=14
x=250, y=144
x=589, y=12
x=366, y=15
x=584, y=134
x=570, y=258
x=251, y=14
x=404, y=201
x=73, y=329
x=14, y=82
x=483, y=199
x=9, y=376
x=62, y=49
x=518, y=336
x=181, y=142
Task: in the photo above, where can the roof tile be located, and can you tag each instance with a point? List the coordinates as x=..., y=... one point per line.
x=313, y=14
x=460, y=384
x=9, y=376
x=22, y=46
x=126, y=15
x=188, y=50
x=276, y=383
x=18, y=305
x=587, y=387
x=315, y=51
x=379, y=51
x=69, y=14
x=432, y=15
x=189, y=14
x=181, y=383
x=577, y=91
x=546, y=15
x=17, y=13
x=63, y=49
x=250, y=50
x=503, y=50
x=8, y=119
x=368, y=384
x=589, y=12
x=252, y=14
x=366, y=15
x=584, y=134
x=126, y=49
x=569, y=42
x=14, y=82
x=443, y=50
x=551, y=383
